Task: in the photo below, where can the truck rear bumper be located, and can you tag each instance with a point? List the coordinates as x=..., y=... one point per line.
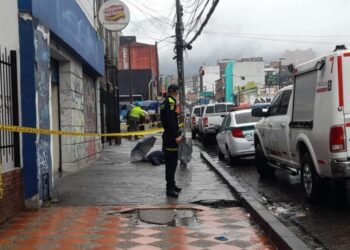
x=340, y=169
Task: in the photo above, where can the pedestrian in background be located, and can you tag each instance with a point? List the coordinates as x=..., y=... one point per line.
x=171, y=139
x=135, y=116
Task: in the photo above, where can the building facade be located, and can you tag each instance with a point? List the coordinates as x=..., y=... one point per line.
x=11, y=185
x=142, y=59
x=208, y=76
x=63, y=58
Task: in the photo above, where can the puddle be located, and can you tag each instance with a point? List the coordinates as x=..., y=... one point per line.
x=165, y=217
x=169, y=217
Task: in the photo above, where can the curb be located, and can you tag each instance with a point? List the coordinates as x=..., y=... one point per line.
x=280, y=235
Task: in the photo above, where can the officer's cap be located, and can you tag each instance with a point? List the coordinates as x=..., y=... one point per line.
x=173, y=88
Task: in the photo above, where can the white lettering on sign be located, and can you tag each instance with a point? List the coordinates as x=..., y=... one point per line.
x=125, y=58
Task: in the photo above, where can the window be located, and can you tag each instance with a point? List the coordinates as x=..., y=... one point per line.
x=247, y=117
x=202, y=109
x=230, y=107
x=210, y=110
x=273, y=109
x=284, y=102
x=197, y=111
x=304, y=97
x=220, y=108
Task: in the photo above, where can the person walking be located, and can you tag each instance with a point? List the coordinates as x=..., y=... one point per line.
x=171, y=139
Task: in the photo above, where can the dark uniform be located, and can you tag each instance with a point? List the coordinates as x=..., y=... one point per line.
x=170, y=124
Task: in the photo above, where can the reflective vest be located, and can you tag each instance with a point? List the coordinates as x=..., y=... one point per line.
x=136, y=112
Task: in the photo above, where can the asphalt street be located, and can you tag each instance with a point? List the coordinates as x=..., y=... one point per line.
x=322, y=226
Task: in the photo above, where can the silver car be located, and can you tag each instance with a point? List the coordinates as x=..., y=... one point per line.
x=236, y=136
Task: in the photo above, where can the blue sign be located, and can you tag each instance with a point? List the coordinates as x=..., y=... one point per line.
x=68, y=22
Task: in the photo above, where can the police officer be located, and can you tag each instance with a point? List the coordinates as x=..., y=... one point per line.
x=171, y=139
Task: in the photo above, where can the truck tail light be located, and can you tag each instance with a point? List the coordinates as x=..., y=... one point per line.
x=205, y=121
x=237, y=133
x=337, y=139
x=194, y=120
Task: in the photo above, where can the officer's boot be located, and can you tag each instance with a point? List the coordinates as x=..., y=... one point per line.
x=172, y=193
x=177, y=189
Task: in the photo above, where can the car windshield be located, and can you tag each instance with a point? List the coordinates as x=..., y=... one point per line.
x=246, y=117
x=220, y=108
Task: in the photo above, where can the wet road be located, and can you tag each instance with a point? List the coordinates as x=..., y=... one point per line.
x=322, y=226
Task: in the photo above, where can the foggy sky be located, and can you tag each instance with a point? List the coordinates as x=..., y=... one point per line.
x=248, y=28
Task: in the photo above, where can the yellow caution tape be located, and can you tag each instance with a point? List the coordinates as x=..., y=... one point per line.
x=152, y=123
x=41, y=131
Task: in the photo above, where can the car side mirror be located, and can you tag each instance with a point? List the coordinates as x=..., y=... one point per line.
x=258, y=112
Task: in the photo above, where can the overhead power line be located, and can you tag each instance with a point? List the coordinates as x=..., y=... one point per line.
x=268, y=38
x=193, y=23
x=211, y=11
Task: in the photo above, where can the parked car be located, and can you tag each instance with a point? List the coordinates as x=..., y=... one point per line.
x=195, y=114
x=211, y=119
x=306, y=129
x=236, y=136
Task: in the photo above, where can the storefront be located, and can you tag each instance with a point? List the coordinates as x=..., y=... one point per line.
x=63, y=60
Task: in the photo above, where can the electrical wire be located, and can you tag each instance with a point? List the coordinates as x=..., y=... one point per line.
x=211, y=11
x=268, y=38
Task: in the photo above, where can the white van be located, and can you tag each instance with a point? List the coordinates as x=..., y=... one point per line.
x=307, y=126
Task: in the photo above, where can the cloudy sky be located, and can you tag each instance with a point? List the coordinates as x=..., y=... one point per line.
x=242, y=28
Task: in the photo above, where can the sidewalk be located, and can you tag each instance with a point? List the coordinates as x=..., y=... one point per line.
x=136, y=212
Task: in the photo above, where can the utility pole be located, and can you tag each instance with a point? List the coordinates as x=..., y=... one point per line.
x=130, y=71
x=180, y=57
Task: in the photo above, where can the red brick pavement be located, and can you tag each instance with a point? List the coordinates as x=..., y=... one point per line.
x=115, y=227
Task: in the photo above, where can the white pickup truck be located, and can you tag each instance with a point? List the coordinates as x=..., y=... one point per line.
x=306, y=129
x=211, y=119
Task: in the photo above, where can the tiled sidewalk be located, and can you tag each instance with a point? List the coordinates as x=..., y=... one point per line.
x=115, y=227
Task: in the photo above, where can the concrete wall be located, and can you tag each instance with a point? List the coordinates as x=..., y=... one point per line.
x=9, y=24
x=79, y=102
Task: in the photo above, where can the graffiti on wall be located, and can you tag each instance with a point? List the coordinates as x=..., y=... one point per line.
x=90, y=113
x=42, y=83
x=90, y=104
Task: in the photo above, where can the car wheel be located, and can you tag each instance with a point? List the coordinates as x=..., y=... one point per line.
x=311, y=181
x=263, y=169
x=230, y=160
x=221, y=155
x=194, y=134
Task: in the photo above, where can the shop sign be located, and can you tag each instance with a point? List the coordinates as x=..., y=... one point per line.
x=114, y=15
